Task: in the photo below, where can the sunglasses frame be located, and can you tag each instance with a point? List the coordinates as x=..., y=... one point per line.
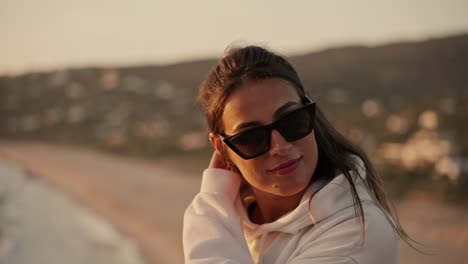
x=226, y=139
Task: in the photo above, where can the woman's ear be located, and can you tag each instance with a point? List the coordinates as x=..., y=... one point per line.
x=216, y=143
x=218, y=159
x=219, y=147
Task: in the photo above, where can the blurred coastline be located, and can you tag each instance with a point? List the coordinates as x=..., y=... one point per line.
x=41, y=224
x=403, y=103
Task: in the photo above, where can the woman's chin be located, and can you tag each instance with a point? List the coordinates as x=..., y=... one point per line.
x=287, y=189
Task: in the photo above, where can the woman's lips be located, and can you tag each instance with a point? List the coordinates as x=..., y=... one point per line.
x=286, y=168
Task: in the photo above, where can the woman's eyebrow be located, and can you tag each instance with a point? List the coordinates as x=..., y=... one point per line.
x=246, y=125
x=282, y=109
x=277, y=114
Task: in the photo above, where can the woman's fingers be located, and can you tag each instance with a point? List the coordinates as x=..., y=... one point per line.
x=217, y=162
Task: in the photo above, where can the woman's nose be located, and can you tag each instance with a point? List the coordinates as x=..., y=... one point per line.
x=279, y=145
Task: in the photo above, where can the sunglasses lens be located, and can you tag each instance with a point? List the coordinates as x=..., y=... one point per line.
x=294, y=126
x=251, y=143
x=297, y=124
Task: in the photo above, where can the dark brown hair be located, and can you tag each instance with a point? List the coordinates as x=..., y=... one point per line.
x=335, y=152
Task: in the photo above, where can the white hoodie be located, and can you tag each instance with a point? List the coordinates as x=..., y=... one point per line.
x=218, y=230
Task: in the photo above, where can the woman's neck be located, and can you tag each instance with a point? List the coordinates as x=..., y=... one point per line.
x=270, y=207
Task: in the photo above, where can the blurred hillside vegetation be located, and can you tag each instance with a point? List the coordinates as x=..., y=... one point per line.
x=406, y=104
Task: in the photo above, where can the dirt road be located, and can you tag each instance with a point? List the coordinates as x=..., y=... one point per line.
x=146, y=199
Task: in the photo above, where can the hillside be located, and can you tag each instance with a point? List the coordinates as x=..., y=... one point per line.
x=405, y=103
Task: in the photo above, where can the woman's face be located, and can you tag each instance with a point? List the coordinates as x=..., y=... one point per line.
x=286, y=169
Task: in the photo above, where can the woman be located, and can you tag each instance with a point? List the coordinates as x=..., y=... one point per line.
x=283, y=186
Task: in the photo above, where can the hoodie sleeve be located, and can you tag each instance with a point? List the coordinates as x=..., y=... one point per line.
x=212, y=232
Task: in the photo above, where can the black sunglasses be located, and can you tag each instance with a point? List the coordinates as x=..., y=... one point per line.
x=293, y=126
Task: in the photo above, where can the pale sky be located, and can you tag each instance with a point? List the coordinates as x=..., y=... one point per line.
x=51, y=34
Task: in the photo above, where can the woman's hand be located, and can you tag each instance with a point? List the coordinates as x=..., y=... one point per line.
x=217, y=162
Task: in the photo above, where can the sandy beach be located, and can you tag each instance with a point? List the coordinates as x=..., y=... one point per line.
x=145, y=200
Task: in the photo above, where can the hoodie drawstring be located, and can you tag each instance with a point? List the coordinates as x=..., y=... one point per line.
x=262, y=245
